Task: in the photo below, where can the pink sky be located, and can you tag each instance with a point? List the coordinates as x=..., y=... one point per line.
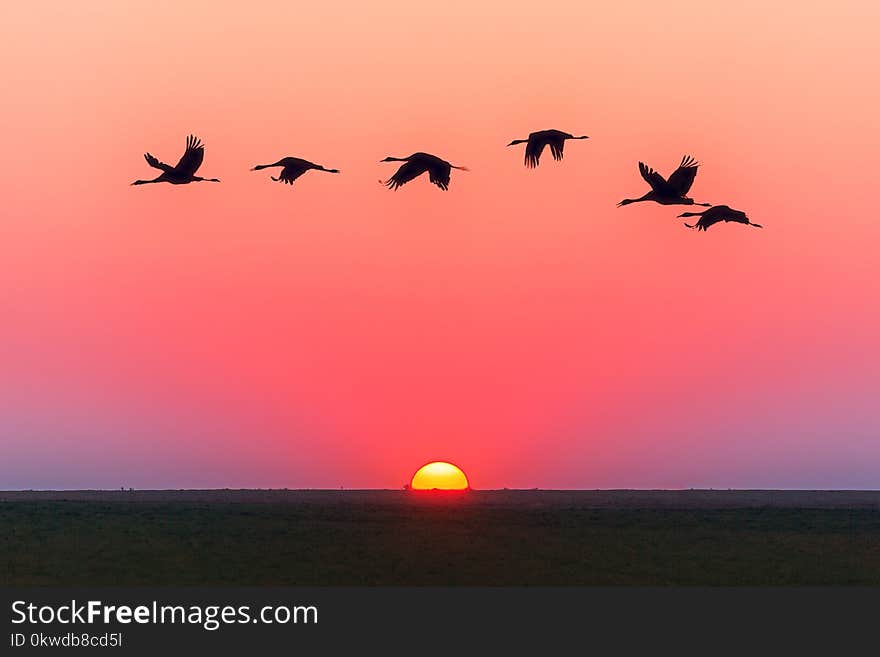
x=249, y=334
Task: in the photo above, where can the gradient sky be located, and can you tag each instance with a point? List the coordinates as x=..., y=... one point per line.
x=249, y=334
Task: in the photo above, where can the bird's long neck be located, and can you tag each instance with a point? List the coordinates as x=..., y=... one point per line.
x=627, y=201
x=322, y=168
x=581, y=137
x=147, y=182
x=266, y=166
x=691, y=214
x=200, y=179
x=518, y=141
x=397, y=159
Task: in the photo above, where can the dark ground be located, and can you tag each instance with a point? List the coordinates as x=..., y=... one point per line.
x=280, y=537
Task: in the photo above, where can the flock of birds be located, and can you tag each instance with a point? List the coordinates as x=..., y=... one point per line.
x=665, y=191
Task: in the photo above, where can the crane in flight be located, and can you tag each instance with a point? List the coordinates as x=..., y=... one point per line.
x=669, y=192
x=417, y=164
x=538, y=140
x=184, y=171
x=294, y=167
x=717, y=213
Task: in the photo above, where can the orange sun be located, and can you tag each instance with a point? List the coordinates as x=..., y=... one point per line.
x=439, y=475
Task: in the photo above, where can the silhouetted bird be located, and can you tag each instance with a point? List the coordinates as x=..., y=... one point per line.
x=538, y=140
x=294, y=167
x=415, y=165
x=184, y=171
x=718, y=213
x=672, y=191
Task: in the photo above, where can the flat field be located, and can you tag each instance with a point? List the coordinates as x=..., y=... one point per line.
x=505, y=537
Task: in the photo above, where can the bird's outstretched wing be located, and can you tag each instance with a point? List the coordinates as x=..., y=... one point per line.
x=406, y=172
x=556, y=147
x=655, y=180
x=708, y=218
x=705, y=223
x=290, y=173
x=439, y=175
x=192, y=157
x=156, y=164
x=683, y=177
x=534, y=148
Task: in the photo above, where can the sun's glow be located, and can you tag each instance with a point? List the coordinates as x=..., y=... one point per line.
x=439, y=475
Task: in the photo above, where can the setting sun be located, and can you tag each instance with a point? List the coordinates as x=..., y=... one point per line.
x=439, y=475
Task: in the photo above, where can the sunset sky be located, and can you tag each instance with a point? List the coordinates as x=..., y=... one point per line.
x=250, y=334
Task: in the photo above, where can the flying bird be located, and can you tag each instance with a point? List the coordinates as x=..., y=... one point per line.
x=417, y=164
x=669, y=192
x=294, y=167
x=718, y=213
x=538, y=140
x=184, y=171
